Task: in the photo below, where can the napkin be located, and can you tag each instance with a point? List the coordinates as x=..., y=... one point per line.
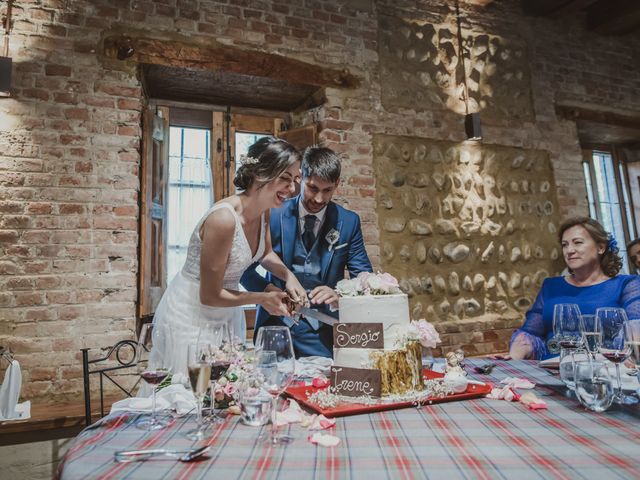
x=10, y=393
x=173, y=397
x=313, y=366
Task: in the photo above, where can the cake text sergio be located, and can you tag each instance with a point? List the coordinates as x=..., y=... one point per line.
x=358, y=335
x=355, y=382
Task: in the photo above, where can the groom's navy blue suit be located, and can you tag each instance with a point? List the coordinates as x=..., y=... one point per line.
x=322, y=264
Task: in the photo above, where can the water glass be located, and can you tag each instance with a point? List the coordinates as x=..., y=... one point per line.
x=594, y=387
x=567, y=368
x=255, y=407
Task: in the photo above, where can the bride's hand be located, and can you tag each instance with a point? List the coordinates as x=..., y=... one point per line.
x=297, y=292
x=274, y=303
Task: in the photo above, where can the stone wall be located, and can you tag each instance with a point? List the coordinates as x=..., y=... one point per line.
x=69, y=140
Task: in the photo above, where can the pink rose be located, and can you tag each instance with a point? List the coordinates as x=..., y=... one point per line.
x=388, y=283
x=218, y=395
x=230, y=389
x=427, y=334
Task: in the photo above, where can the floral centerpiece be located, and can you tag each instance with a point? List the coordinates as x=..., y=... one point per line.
x=368, y=284
x=241, y=375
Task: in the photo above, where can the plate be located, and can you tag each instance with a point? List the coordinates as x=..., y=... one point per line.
x=301, y=395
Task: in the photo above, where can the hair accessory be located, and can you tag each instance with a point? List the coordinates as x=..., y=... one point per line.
x=247, y=160
x=613, y=244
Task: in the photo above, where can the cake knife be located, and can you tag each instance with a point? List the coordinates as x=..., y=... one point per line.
x=321, y=317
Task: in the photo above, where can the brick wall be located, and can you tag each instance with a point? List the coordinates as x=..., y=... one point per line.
x=69, y=141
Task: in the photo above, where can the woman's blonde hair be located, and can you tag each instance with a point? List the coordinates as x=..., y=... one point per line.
x=610, y=261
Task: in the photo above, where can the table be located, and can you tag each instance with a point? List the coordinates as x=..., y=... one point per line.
x=481, y=438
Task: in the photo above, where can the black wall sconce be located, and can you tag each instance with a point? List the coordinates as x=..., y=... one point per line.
x=471, y=120
x=124, y=48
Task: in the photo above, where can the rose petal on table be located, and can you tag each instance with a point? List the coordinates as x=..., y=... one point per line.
x=291, y=414
x=532, y=401
x=324, y=440
x=516, y=382
x=319, y=382
x=320, y=422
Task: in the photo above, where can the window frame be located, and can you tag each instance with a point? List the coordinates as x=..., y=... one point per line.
x=623, y=188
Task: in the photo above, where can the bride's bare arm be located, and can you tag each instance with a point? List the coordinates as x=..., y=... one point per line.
x=217, y=237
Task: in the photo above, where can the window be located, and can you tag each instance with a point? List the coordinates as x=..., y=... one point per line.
x=190, y=193
x=608, y=197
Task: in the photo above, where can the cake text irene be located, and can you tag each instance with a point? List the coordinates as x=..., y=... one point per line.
x=356, y=335
x=355, y=382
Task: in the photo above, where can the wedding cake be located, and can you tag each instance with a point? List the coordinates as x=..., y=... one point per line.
x=375, y=338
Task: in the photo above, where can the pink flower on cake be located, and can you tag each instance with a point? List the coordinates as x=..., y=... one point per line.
x=388, y=283
x=426, y=333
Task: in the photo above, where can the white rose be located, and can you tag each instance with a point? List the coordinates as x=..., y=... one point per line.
x=347, y=288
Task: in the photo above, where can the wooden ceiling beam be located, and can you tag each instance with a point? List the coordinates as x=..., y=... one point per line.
x=479, y=3
x=215, y=56
x=614, y=17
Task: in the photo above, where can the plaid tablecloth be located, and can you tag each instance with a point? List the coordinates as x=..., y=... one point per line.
x=481, y=438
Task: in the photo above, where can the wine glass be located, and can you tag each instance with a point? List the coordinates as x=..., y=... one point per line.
x=567, y=329
x=591, y=336
x=613, y=346
x=152, y=372
x=275, y=360
x=221, y=354
x=199, y=367
x=632, y=339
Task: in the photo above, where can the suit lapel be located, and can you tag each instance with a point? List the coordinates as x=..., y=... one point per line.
x=288, y=231
x=331, y=221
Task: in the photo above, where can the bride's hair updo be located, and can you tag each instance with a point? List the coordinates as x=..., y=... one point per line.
x=264, y=162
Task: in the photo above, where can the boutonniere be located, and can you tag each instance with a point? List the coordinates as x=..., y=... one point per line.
x=332, y=237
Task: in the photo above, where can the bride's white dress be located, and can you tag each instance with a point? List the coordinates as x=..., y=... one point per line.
x=180, y=315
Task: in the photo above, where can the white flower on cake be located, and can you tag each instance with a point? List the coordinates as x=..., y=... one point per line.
x=425, y=332
x=349, y=288
x=368, y=284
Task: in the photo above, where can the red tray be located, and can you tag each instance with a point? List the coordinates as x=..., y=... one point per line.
x=301, y=394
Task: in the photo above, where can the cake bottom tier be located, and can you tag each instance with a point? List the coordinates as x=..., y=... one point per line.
x=401, y=369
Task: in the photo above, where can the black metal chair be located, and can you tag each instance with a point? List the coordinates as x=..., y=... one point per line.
x=117, y=352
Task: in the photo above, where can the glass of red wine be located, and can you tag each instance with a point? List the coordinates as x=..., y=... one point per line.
x=152, y=373
x=614, y=345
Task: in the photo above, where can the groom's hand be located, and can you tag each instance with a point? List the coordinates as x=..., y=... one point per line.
x=324, y=295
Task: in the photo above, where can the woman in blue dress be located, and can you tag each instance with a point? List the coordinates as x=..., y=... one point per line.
x=593, y=263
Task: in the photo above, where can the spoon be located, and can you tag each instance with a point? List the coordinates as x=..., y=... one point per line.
x=182, y=455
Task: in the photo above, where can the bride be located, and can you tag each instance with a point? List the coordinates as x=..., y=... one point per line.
x=232, y=235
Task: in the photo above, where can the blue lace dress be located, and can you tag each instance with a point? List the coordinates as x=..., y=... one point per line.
x=621, y=291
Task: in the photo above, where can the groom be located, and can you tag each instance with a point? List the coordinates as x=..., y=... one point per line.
x=316, y=239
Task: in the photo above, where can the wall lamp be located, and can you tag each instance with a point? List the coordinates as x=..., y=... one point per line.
x=472, y=125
